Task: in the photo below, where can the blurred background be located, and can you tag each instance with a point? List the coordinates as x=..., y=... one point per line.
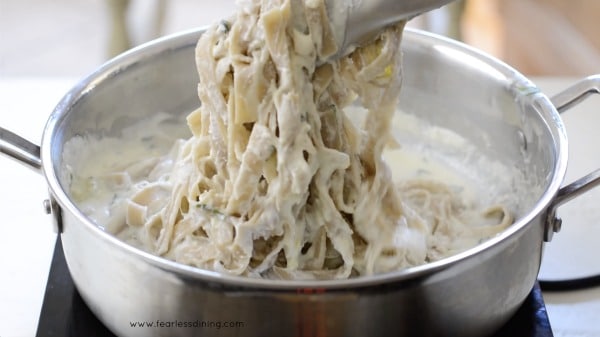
x=70, y=38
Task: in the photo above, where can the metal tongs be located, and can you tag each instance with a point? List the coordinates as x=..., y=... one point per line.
x=357, y=21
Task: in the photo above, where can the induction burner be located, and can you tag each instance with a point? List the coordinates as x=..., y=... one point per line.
x=64, y=313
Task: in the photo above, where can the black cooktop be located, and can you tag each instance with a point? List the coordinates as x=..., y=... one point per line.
x=64, y=314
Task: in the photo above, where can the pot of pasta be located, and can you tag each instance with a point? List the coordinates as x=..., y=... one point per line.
x=238, y=180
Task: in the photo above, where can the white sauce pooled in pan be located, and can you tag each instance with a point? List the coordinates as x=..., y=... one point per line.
x=276, y=180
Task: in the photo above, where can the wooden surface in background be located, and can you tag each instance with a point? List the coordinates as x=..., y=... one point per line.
x=538, y=37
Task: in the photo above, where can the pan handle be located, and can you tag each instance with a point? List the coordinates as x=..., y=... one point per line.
x=20, y=149
x=28, y=154
x=564, y=101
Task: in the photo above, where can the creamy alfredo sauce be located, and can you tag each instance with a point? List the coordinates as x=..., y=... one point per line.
x=102, y=181
x=276, y=181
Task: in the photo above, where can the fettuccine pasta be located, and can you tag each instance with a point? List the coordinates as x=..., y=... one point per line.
x=276, y=181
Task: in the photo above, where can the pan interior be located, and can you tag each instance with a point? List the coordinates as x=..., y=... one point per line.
x=458, y=108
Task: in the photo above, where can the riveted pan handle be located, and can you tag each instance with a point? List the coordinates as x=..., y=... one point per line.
x=564, y=101
x=20, y=149
x=28, y=154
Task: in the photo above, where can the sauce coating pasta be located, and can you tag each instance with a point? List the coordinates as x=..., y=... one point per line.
x=276, y=180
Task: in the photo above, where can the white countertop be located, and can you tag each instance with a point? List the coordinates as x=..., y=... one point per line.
x=27, y=239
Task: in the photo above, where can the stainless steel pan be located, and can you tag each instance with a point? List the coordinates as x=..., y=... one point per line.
x=469, y=294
